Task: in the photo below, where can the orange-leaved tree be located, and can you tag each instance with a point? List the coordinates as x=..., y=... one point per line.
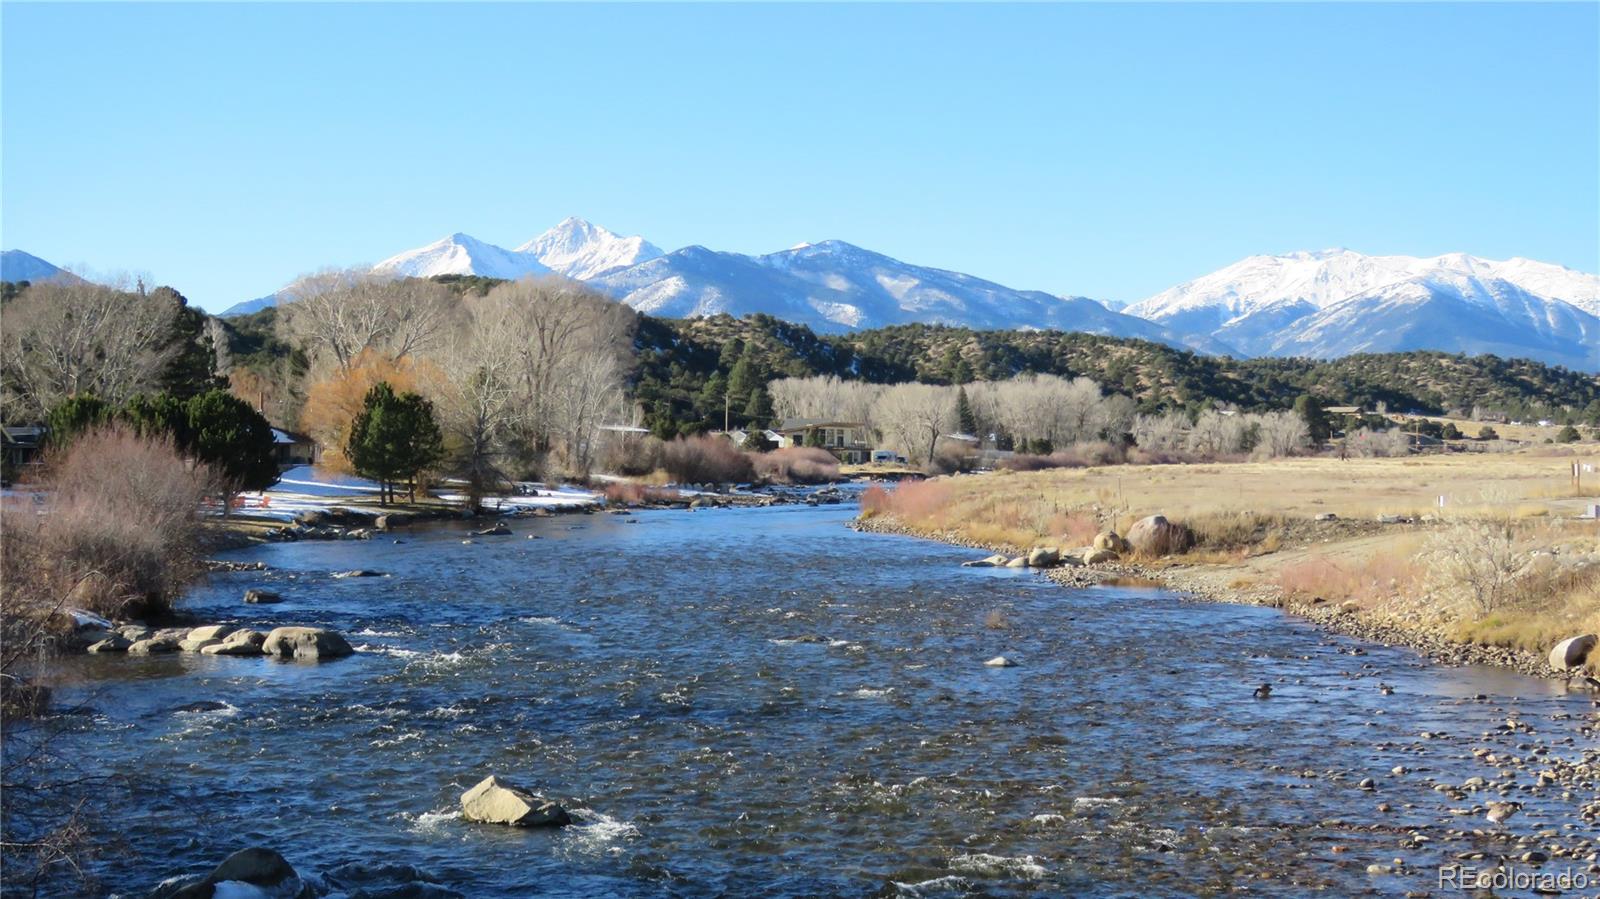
x=336, y=399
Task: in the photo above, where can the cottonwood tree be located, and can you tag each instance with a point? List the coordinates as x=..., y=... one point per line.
x=914, y=417
x=1280, y=434
x=558, y=333
x=341, y=315
x=823, y=397
x=65, y=339
x=477, y=397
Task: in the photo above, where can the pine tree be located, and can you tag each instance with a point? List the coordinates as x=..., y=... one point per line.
x=758, y=411
x=229, y=435
x=967, y=420
x=74, y=415
x=394, y=438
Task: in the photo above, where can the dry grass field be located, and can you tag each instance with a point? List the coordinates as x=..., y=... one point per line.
x=1505, y=560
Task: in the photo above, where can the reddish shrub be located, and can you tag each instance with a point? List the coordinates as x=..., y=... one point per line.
x=909, y=501
x=119, y=531
x=706, y=460
x=798, y=465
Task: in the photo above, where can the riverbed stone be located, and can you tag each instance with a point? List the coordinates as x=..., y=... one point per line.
x=1043, y=556
x=211, y=632
x=315, y=643
x=1571, y=653
x=155, y=644
x=239, y=643
x=262, y=597
x=1000, y=662
x=1018, y=562
x=256, y=872
x=1156, y=536
x=113, y=643
x=1099, y=556
x=495, y=801
x=1113, y=541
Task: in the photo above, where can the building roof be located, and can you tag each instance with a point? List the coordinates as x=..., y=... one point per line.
x=1342, y=410
x=801, y=424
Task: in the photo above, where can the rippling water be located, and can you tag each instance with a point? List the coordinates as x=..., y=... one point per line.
x=764, y=702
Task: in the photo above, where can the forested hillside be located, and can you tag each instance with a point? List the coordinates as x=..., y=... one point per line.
x=693, y=374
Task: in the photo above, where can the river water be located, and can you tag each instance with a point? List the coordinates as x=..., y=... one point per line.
x=765, y=702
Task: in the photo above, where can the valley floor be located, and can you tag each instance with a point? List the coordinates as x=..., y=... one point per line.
x=1397, y=550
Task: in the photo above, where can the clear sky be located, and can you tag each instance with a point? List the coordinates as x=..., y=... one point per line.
x=1099, y=150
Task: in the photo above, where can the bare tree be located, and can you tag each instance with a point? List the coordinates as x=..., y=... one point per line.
x=477, y=399
x=1218, y=434
x=338, y=315
x=563, y=341
x=825, y=397
x=914, y=417
x=1280, y=434
x=1167, y=432
x=67, y=338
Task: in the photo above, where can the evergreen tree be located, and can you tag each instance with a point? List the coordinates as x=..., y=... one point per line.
x=74, y=415
x=1568, y=434
x=744, y=378
x=394, y=438
x=758, y=411
x=158, y=415
x=1310, y=409
x=229, y=435
x=709, y=402
x=964, y=416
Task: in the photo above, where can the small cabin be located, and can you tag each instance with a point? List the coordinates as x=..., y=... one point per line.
x=293, y=449
x=23, y=445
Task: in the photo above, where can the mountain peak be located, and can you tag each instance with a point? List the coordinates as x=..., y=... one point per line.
x=580, y=249
x=461, y=254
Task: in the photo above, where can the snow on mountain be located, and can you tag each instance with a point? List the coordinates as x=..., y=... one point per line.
x=1336, y=302
x=582, y=250
x=462, y=254
x=16, y=265
x=836, y=286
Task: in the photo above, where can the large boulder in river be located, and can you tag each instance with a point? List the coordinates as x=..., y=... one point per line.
x=315, y=643
x=1156, y=536
x=238, y=643
x=1043, y=556
x=161, y=642
x=1571, y=653
x=494, y=801
x=255, y=872
x=261, y=597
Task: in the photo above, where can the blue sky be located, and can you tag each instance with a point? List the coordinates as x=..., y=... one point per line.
x=1099, y=150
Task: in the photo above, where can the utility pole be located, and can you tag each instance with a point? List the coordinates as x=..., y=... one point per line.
x=725, y=401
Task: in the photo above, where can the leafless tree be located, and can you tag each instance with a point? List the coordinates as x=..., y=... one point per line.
x=1280, y=434
x=1216, y=433
x=65, y=338
x=477, y=399
x=1167, y=432
x=823, y=396
x=565, y=347
x=339, y=314
x=914, y=416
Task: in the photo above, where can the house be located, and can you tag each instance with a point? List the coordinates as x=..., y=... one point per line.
x=1343, y=410
x=22, y=445
x=293, y=449
x=887, y=457
x=847, y=440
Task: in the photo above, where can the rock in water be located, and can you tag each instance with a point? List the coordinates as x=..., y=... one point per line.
x=1571, y=653
x=261, y=597
x=238, y=643
x=493, y=801
x=1043, y=556
x=305, y=643
x=1018, y=562
x=1000, y=662
x=1156, y=536
x=113, y=643
x=255, y=872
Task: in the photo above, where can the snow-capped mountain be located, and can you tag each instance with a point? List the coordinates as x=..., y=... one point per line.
x=462, y=254
x=836, y=286
x=582, y=250
x=1337, y=302
x=16, y=265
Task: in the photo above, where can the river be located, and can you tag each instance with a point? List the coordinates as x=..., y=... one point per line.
x=765, y=702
